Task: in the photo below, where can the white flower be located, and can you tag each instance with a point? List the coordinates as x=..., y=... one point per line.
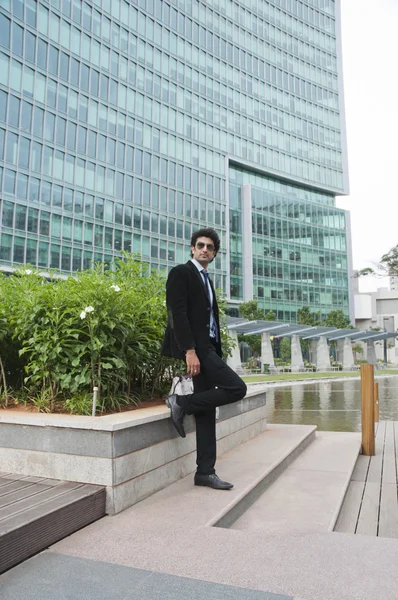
x=28, y=272
x=83, y=314
x=116, y=288
x=89, y=309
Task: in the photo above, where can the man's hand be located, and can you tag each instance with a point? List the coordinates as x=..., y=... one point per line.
x=193, y=364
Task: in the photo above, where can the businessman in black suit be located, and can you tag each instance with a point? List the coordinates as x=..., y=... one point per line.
x=193, y=334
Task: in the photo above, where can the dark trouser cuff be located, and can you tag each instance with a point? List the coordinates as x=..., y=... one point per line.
x=182, y=403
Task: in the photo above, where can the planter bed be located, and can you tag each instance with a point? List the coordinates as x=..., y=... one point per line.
x=133, y=454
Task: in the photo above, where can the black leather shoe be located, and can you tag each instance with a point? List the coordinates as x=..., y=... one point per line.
x=177, y=414
x=212, y=481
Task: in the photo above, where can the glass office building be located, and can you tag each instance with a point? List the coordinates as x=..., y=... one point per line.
x=127, y=125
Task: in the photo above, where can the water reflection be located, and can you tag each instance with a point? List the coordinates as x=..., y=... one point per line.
x=331, y=405
x=351, y=391
x=297, y=403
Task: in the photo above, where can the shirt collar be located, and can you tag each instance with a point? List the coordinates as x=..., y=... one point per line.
x=197, y=265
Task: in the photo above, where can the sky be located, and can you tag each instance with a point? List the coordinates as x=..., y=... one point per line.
x=370, y=64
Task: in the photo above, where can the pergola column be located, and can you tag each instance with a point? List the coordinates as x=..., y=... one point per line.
x=234, y=361
x=313, y=351
x=340, y=351
x=348, y=355
x=267, y=354
x=371, y=352
x=322, y=354
x=297, y=362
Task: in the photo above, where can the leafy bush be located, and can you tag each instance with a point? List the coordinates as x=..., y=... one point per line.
x=338, y=365
x=79, y=404
x=98, y=328
x=309, y=366
x=253, y=363
x=60, y=338
x=282, y=363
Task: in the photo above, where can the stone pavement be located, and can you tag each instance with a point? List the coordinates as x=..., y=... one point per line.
x=165, y=547
x=215, y=564
x=51, y=576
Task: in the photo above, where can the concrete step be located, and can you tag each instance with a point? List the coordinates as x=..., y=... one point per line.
x=168, y=532
x=308, y=495
x=251, y=467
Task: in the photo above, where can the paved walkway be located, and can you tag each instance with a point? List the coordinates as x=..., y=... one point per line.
x=52, y=576
x=165, y=548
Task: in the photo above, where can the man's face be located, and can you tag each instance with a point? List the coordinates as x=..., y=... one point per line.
x=204, y=251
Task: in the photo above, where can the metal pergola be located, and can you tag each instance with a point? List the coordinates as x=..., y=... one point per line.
x=306, y=332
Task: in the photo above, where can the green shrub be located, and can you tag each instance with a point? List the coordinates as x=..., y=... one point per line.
x=334, y=363
x=79, y=404
x=61, y=337
x=98, y=328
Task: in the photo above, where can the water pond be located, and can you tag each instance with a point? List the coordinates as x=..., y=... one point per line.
x=331, y=405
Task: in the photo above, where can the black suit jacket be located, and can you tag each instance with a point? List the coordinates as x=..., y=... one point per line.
x=188, y=309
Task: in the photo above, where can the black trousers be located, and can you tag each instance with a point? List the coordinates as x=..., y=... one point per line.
x=216, y=385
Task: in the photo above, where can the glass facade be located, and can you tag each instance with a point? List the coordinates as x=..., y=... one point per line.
x=119, y=121
x=299, y=247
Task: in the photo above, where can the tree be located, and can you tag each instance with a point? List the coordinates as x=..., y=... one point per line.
x=389, y=261
x=250, y=310
x=336, y=318
x=228, y=343
x=357, y=349
x=285, y=349
x=270, y=316
x=387, y=266
x=306, y=317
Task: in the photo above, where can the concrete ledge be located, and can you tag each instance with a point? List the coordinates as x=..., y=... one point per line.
x=133, y=454
x=67, y=467
x=114, y=422
x=106, y=423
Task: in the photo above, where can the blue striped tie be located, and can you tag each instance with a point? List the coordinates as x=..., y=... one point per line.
x=207, y=283
x=213, y=326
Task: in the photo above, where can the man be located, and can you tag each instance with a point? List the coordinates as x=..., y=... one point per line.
x=193, y=334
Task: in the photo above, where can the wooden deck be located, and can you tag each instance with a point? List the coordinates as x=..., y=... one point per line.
x=37, y=512
x=371, y=503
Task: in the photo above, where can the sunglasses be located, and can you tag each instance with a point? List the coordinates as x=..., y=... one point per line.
x=201, y=245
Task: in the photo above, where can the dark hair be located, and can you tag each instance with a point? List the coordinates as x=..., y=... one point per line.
x=209, y=233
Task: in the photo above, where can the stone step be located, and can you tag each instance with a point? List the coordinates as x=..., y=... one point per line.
x=251, y=467
x=308, y=495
